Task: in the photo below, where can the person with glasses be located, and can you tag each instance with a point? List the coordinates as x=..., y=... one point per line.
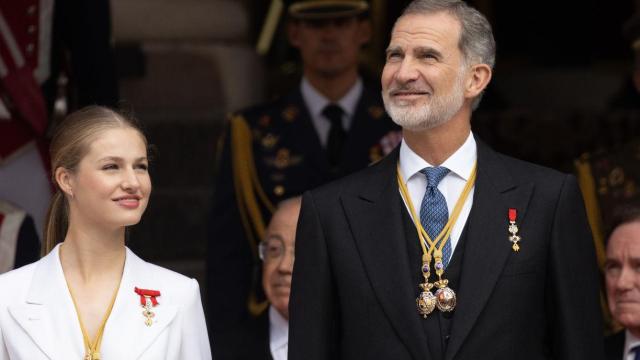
x=266, y=337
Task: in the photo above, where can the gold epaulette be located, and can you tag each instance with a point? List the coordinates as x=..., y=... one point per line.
x=250, y=196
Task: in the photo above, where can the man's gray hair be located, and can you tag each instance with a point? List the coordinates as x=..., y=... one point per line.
x=476, y=37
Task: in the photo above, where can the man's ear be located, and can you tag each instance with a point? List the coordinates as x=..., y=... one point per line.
x=64, y=180
x=477, y=80
x=293, y=33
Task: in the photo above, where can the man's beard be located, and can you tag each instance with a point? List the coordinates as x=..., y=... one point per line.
x=437, y=111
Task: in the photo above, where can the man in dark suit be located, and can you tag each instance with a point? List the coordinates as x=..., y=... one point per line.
x=331, y=125
x=383, y=272
x=266, y=337
x=623, y=283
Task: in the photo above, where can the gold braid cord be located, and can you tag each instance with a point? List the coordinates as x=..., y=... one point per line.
x=588, y=189
x=247, y=186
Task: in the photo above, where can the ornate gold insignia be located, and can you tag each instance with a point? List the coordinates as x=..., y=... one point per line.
x=283, y=159
x=278, y=190
x=376, y=112
x=269, y=141
x=616, y=176
x=290, y=113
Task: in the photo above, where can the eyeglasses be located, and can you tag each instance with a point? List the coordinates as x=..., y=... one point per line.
x=273, y=249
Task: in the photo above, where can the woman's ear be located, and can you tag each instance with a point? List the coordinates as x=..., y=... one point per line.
x=63, y=179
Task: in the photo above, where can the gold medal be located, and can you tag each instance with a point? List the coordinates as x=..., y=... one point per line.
x=444, y=298
x=426, y=303
x=513, y=230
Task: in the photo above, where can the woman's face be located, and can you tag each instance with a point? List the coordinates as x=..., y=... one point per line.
x=111, y=186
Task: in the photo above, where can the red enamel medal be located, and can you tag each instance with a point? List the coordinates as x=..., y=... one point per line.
x=513, y=229
x=148, y=301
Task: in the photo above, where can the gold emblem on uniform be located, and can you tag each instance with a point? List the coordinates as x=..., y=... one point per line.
x=616, y=176
x=269, y=141
x=376, y=112
x=278, y=190
x=290, y=113
x=283, y=158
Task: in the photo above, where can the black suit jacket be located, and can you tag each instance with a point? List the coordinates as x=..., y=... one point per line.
x=289, y=159
x=353, y=298
x=614, y=346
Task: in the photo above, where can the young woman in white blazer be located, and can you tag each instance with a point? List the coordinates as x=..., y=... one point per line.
x=90, y=297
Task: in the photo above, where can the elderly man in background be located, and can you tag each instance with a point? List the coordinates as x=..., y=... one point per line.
x=267, y=336
x=622, y=276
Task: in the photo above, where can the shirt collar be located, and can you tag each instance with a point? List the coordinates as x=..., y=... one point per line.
x=460, y=162
x=278, y=329
x=630, y=342
x=316, y=102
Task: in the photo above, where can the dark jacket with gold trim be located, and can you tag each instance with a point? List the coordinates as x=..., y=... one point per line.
x=288, y=159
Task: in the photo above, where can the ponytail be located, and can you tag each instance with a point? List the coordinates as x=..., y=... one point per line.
x=57, y=222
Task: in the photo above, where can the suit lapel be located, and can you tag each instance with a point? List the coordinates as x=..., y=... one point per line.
x=49, y=310
x=126, y=336
x=384, y=253
x=487, y=246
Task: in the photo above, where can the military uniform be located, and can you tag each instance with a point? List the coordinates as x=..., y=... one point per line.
x=270, y=153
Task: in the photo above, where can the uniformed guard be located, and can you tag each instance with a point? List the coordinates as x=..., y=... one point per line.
x=329, y=126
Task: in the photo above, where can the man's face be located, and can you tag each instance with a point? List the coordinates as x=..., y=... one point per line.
x=424, y=74
x=277, y=251
x=622, y=275
x=329, y=47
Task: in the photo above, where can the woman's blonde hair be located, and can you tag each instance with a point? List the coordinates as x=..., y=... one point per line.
x=70, y=143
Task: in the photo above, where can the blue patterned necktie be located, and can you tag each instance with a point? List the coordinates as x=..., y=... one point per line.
x=433, y=210
x=636, y=351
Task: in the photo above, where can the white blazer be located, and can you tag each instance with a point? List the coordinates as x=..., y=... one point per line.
x=38, y=319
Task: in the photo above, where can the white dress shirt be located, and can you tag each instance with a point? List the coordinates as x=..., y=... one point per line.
x=630, y=342
x=460, y=163
x=316, y=102
x=278, y=335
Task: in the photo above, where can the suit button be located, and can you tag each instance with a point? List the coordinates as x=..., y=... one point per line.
x=278, y=190
x=30, y=48
x=31, y=10
x=31, y=29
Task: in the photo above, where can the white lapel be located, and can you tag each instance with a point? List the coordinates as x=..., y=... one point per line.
x=126, y=336
x=48, y=312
